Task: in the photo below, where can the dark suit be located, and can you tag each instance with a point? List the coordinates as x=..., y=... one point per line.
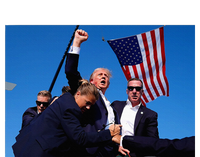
x=97, y=116
x=184, y=147
x=145, y=121
x=57, y=132
x=28, y=115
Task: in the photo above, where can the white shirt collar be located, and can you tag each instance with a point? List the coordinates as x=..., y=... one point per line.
x=102, y=95
x=130, y=105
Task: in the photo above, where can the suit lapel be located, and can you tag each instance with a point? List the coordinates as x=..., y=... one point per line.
x=102, y=109
x=138, y=117
x=121, y=108
x=101, y=102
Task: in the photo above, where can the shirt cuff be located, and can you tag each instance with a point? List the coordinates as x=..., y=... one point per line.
x=74, y=50
x=121, y=140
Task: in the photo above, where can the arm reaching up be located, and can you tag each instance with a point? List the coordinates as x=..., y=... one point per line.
x=71, y=66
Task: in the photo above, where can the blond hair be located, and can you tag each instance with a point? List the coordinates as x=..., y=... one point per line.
x=97, y=69
x=87, y=88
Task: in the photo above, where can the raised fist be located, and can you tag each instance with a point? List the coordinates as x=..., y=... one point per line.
x=80, y=36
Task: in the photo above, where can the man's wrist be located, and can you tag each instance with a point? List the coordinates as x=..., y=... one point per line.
x=76, y=43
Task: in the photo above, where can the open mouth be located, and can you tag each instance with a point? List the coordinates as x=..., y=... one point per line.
x=103, y=82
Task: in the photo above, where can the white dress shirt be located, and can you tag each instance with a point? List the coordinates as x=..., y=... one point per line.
x=128, y=119
x=111, y=116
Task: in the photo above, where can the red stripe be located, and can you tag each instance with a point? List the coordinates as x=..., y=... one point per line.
x=126, y=71
x=145, y=97
x=135, y=71
x=142, y=65
x=156, y=62
x=163, y=57
x=143, y=103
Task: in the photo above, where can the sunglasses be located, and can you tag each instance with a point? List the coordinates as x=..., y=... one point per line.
x=131, y=88
x=45, y=104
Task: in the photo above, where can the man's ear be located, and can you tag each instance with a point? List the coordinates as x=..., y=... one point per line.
x=91, y=81
x=142, y=91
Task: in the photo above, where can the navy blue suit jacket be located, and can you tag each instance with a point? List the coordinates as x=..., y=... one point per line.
x=58, y=131
x=28, y=115
x=150, y=146
x=145, y=122
x=97, y=116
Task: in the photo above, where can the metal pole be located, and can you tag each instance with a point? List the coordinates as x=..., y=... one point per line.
x=62, y=60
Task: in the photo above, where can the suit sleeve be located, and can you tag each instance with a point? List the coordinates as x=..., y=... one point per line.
x=184, y=147
x=78, y=136
x=152, y=127
x=71, y=71
x=27, y=117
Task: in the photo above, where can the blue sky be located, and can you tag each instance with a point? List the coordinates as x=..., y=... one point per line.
x=33, y=53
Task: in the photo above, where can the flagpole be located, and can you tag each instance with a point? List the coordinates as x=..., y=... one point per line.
x=62, y=60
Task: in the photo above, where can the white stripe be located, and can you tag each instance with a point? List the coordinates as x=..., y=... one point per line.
x=131, y=71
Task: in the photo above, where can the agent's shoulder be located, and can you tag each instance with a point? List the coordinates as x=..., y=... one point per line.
x=149, y=110
x=118, y=102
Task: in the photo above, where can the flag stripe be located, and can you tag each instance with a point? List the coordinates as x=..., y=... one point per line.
x=126, y=71
x=133, y=72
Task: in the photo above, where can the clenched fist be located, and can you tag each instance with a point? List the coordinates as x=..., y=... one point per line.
x=115, y=129
x=80, y=36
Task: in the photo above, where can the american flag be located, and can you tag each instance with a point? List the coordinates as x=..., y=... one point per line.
x=143, y=56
